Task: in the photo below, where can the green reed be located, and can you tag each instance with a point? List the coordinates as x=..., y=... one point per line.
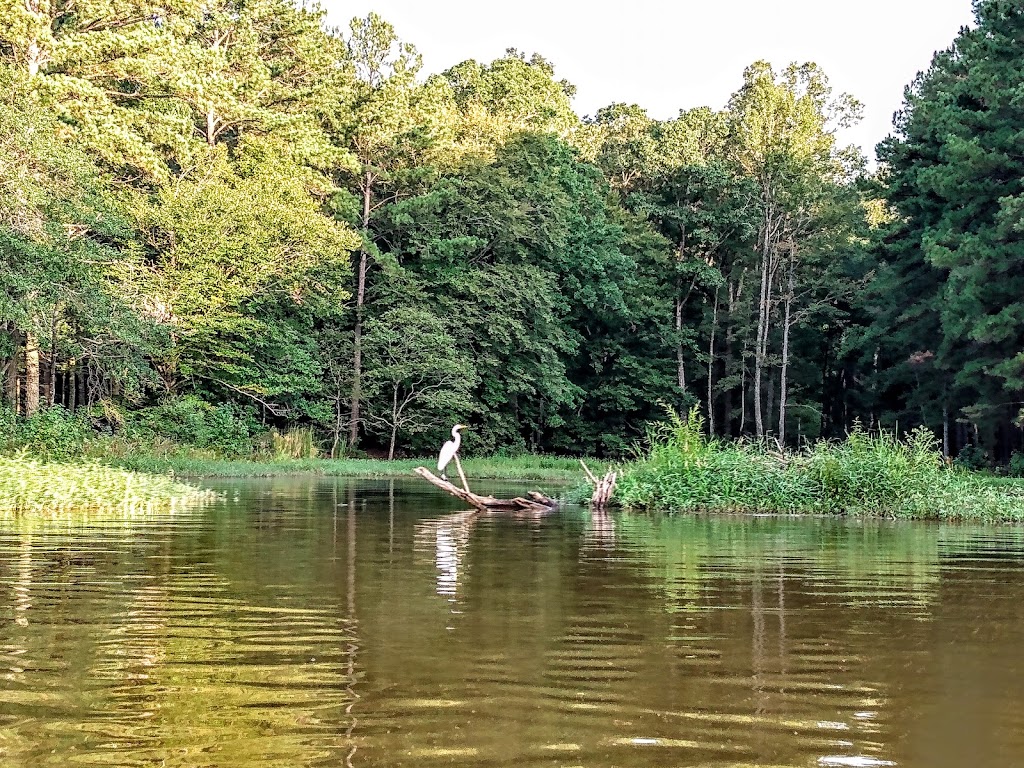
x=865, y=474
x=50, y=488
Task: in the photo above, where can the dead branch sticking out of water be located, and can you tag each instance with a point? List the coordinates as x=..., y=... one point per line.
x=534, y=501
x=603, y=488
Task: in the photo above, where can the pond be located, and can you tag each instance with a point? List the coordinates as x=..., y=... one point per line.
x=309, y=622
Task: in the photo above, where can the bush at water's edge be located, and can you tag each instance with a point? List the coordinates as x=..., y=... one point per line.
x=865, y=474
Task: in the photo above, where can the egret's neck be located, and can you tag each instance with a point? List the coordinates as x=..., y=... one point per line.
x=457, y=437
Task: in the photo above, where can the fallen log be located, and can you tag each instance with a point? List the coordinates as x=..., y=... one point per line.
x=536, y=502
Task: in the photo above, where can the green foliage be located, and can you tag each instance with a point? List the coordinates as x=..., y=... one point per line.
x=225, y=429
x=1016, y=466
x=418, y=380
x=233, y=211
x=865, y=474
x=972, y=457
x=955, y=180
x=53, y=433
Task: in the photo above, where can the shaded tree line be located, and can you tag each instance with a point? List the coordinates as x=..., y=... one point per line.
x=232, y=203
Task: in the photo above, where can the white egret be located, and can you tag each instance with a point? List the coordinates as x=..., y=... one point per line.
x=449, y=449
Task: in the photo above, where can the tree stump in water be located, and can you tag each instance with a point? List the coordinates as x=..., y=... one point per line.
x=603, y=488
x=535, y=501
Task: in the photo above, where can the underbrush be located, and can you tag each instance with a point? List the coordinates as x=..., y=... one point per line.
x=865, y=474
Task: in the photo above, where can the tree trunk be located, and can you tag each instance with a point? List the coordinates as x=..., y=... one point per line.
x=394, y=423
x=945, y=432
x=33, y=58
x=81, y=384
x=337, y=425
x=12, y=386
x=357, y=346
x=31, y=374
x=743, y=397
x=680, y=301
x=680, y=363
x=50, y=385
x=211, y=126
x=785, y=352
x=711, y=367
x=760, y=346
x=69, y=387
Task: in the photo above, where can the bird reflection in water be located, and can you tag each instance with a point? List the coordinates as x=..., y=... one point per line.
x=449, y=538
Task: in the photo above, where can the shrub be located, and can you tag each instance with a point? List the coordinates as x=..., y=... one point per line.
x=190, y=421
x=52, y=433
x=1016, y=468
x=872, y=474
x=971, y=457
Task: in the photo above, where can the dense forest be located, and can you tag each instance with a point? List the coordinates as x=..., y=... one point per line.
x=223, y=217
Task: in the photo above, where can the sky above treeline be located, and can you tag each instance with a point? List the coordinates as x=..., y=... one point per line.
x=667, y=55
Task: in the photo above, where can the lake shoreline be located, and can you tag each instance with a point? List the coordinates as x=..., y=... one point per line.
x=159, y=477
x=531, y=468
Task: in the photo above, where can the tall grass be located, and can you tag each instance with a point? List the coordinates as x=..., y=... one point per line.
x=865, y=474
x=50, y=488
x=295, y=443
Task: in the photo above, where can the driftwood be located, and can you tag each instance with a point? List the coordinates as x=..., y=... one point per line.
x=535, y=502
x=603, y=488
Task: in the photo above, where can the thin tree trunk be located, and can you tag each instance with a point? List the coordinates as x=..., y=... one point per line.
x=785, y=351
x=31, y=374
x=81, y=384
x=34, y=56
x=743, y=396
x=13, y=384
x=729, y=400
x=945, y=431
x=680, y=301
x=680, y=362
x=394, y=423
x=357, y=352
x=69, y=386
x=211, y=126
x=337, y=425
x=711, y=367
x=762, y=332
x=51, y=364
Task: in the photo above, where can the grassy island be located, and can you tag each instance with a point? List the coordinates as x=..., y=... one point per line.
x=46, y=488
x=866, y=474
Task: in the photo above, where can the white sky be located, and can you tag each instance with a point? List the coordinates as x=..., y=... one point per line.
x=667, y=55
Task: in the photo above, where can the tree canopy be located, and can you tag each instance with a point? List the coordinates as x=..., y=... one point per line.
x=231, y=206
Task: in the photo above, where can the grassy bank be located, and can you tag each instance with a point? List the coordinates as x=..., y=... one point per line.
x=873, y=475
x=529, y=467
x=48, y=488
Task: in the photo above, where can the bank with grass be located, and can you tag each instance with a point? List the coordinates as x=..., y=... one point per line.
x=194, y=465
x=865, y=474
